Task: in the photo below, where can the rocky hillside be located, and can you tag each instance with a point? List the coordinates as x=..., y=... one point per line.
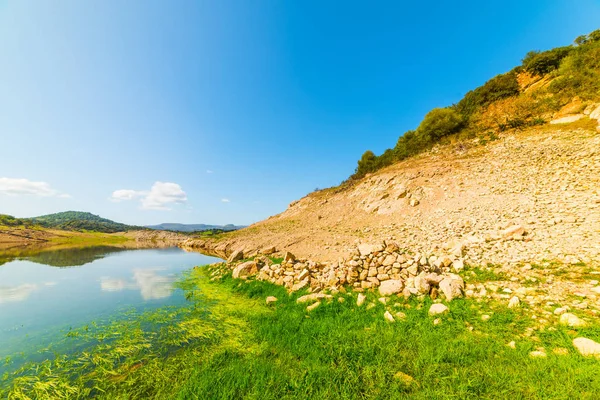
x=515, y=220
x=542, y=183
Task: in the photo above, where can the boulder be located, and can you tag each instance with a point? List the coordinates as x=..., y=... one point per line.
x=392, y=286
x=289, y=257
x=236, y=256
x=587, y=347
x=313, y=306
x=437, y=309
x=458, y=265
x=571, y=320
x=361, y=299
x=268, y=250
x=300, y=285
x=366, y=249
x=514, y=302
x=244, y=270
x=452, y=287
x=271, y=299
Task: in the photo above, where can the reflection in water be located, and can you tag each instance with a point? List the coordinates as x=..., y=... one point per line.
x=16, y=293
x=150, y=284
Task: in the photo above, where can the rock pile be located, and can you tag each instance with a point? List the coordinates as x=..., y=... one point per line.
x=383, y=266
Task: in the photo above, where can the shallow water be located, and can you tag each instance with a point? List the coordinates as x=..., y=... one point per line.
x=43, y=295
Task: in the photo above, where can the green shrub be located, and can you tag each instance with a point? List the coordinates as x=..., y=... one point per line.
x=542, y=63
x=499, y=87
x=438, y=123
x=579, y=73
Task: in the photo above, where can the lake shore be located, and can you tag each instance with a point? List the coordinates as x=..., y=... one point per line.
x=252, y=339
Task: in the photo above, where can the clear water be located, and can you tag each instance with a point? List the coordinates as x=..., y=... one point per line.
x=43, y=295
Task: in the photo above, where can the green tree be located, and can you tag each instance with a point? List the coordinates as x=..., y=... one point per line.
x=438, y=123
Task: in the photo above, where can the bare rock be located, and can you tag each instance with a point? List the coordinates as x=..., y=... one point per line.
x=392, y=286
x=271, y=299
x=587, y=347
x=366, y=249
x=313, y=297
x=452, y=286
x=313, y=306
x=515, y=230
x=514, y=302
x=571, y=320
x=289, y=257
x=236, y=256
x=389, y=317
x=361, y=299
x=268, y=250
x=437, y=309
x=300, y=285
x=244, y=270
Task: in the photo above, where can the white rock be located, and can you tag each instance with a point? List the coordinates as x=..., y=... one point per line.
x=439, y=308
x=388, y=316
x=361, y=299
x=571, y=320
x=366, y=249
x=392, y=286
x=458, y=265
x=514, y=302
x=587, y=347
x=485, y=317
x=452, y=287
x=560, y=311
x=271, y=299
x=512, y=344
x=313, y=297
x=567, y=119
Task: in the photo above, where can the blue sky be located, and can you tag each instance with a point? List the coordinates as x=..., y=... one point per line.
x=226, y=111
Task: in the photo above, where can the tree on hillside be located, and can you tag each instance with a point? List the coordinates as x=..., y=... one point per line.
x=366, y=163
x=438, y=123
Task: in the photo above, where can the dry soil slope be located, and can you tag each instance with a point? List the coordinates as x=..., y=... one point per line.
x=546, y=180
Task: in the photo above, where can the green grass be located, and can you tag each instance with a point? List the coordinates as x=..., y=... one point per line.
x=483, y=274
x=227, y=344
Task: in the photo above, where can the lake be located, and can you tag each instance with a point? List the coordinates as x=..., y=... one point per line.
x=44, y=294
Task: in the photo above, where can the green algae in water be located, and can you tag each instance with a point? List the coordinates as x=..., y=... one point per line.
x=134, y=355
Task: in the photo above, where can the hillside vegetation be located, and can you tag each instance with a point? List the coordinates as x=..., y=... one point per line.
x=528, y=95
x=80, y=221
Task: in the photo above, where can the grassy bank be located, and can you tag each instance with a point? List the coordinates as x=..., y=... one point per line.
x=227, y=344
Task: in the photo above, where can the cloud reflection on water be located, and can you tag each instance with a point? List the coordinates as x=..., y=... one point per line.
x=150, y=284
x=11, y=294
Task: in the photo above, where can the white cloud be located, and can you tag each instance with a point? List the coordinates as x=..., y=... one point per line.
x=225, y=201
x=159, y=197
x=125, y=194
x=15, y=187
x=209, y=171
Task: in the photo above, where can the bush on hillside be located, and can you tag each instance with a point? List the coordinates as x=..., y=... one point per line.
x=542, y=63
x=9, y=220
x=579, y=73
x=499, y=87
x=438, y=123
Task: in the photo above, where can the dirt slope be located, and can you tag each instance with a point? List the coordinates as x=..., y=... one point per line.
x=545, y=181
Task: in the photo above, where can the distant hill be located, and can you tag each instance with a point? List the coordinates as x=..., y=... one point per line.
x=80, y=221
x=193, y=227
